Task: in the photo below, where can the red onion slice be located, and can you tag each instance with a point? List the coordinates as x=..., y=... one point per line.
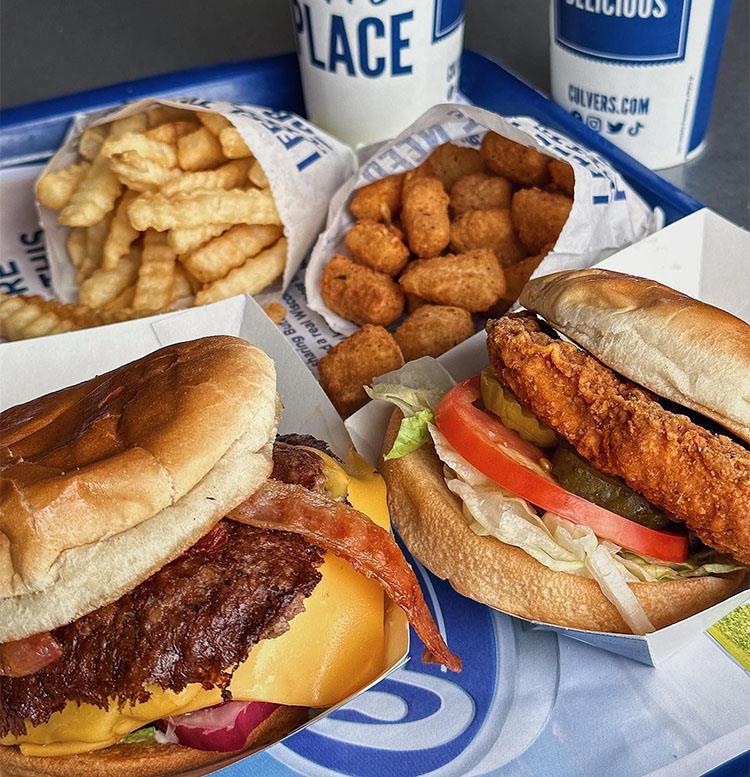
x=222, y=728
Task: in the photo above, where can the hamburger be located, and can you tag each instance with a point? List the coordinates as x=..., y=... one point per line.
x=597, y=474
x=176, y=582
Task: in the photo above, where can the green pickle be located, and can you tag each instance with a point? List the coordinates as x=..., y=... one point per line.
x=498, y=400
x=577, y=475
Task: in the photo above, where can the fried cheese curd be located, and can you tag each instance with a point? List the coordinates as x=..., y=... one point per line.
x=449, y=162
x=479, y=191
x=512, y=160
x=562, y=176
x=491, y=228
x=351, y=365
x=379, y=201
x=472, y=280
x=360, y=294
x=377, y=246
x=432, y=330
x=424, y=215
x=539, y=216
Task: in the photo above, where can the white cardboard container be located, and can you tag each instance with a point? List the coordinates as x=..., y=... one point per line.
x=702, y=255
x=304, y=166
x=31, y=368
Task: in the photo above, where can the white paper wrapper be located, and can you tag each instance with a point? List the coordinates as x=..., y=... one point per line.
x=607, y=214
x=304, y=166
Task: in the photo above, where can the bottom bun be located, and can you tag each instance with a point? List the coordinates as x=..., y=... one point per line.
x=430, y=520
x=144, y=759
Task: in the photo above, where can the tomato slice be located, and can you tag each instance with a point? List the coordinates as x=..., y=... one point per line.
x=475, y=435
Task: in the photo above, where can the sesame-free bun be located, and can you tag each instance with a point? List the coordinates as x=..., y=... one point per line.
x=431, y=523
x=105, y=482
x=683, y=350
x=147, y=759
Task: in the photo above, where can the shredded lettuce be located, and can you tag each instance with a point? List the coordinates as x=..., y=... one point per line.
x=416, y=402
x=412, y=434
x=648, y=570
x=147, y=734
x=408, y=400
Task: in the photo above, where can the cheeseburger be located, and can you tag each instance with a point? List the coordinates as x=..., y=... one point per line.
x=176, y=582
x=600, y=481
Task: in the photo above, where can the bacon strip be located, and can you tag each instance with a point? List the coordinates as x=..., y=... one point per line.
x=26, y=656
x=338, y=527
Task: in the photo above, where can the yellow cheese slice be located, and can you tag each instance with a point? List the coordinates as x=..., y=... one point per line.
x=333, y=648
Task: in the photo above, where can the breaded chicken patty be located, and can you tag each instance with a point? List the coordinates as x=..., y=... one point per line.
x=692, y=474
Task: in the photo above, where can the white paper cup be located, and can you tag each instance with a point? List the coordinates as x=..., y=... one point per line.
x=371, y=67
x=641, y=72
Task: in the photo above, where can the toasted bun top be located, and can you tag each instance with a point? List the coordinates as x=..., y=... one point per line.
x=105, y=482
x=679, y=348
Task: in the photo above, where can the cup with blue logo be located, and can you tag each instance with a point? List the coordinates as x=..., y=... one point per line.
x=640, y=72
x=369, y=68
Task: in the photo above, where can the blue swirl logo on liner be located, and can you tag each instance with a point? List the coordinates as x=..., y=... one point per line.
x=423, y=719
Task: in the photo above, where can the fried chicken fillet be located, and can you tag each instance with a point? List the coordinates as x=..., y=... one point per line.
x=694, y=475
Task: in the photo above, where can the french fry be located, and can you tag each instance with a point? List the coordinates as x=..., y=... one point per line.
x=164, y=154
x=91, y=141
x=172, y=131
x=222, y=254
x=121, y=234
x=102, y=286
x=80, y=315
x=77, y=246
x=229, y=176
x=94, y=251
x=22, y=317
x=96, y=236
x=257, y=175
x=214, y=121
x=193, y=209
x=138, y=122
x=199, y=150
x=188, y=239
x=54, y=190
x=182, y=289
x=161, y=114
x=140, y=174
x=257, y=273
x=156, y=274
x=233, y=145
x=94, y=197
x=123, y=301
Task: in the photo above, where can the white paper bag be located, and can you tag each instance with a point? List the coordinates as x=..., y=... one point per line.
x=607, y=214
x=304, y=166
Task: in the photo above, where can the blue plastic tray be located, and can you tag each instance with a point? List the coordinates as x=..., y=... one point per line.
x=34, y=131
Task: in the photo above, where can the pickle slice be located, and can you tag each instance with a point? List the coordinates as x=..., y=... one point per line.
x=575, y=474
x=498, y=400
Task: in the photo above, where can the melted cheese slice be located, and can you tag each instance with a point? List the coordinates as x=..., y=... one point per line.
x=333, y=648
